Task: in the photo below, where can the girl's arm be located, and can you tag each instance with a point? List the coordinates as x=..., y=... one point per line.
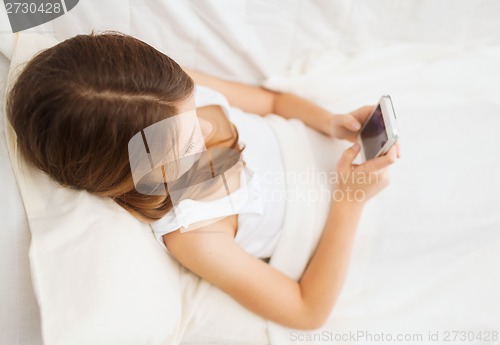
x=212, y=254
x=261, y=101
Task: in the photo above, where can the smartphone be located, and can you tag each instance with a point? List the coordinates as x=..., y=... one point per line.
x=379, y=132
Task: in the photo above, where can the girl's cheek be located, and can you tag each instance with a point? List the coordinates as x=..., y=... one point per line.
x=206, y=127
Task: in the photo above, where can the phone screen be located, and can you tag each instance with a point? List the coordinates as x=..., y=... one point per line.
x=374, y=135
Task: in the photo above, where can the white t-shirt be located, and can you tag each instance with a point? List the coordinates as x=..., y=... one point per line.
x=261, y=217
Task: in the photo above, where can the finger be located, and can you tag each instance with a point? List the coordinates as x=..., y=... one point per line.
x=393, y=152
x=345, y=161
x=363, y=113
x=398, y=149
x=381, y=162
x=350, y=122
x=352, y=137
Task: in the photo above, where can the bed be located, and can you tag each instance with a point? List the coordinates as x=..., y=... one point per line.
x=425, y=264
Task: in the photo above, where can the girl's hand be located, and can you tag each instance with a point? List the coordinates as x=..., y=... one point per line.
x=347, y=126
x=356, y=183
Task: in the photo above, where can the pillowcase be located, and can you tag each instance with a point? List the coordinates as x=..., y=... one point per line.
x=99, y=275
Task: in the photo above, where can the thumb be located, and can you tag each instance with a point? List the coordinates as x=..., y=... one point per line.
x=350, y=122
x=345, y=161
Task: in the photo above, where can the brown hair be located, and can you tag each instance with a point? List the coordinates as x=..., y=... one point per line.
x=75, y=106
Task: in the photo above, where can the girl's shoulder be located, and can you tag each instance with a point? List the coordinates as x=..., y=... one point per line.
x=205, y=96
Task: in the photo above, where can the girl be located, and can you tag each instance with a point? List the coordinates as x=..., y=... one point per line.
x=77, y=106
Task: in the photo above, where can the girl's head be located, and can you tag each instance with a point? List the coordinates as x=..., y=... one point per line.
x=75, y=107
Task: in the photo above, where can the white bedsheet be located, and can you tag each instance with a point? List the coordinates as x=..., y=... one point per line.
x=427, y=259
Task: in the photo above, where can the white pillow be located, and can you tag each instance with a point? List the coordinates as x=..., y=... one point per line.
x=19, y=318
x=99, y=275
